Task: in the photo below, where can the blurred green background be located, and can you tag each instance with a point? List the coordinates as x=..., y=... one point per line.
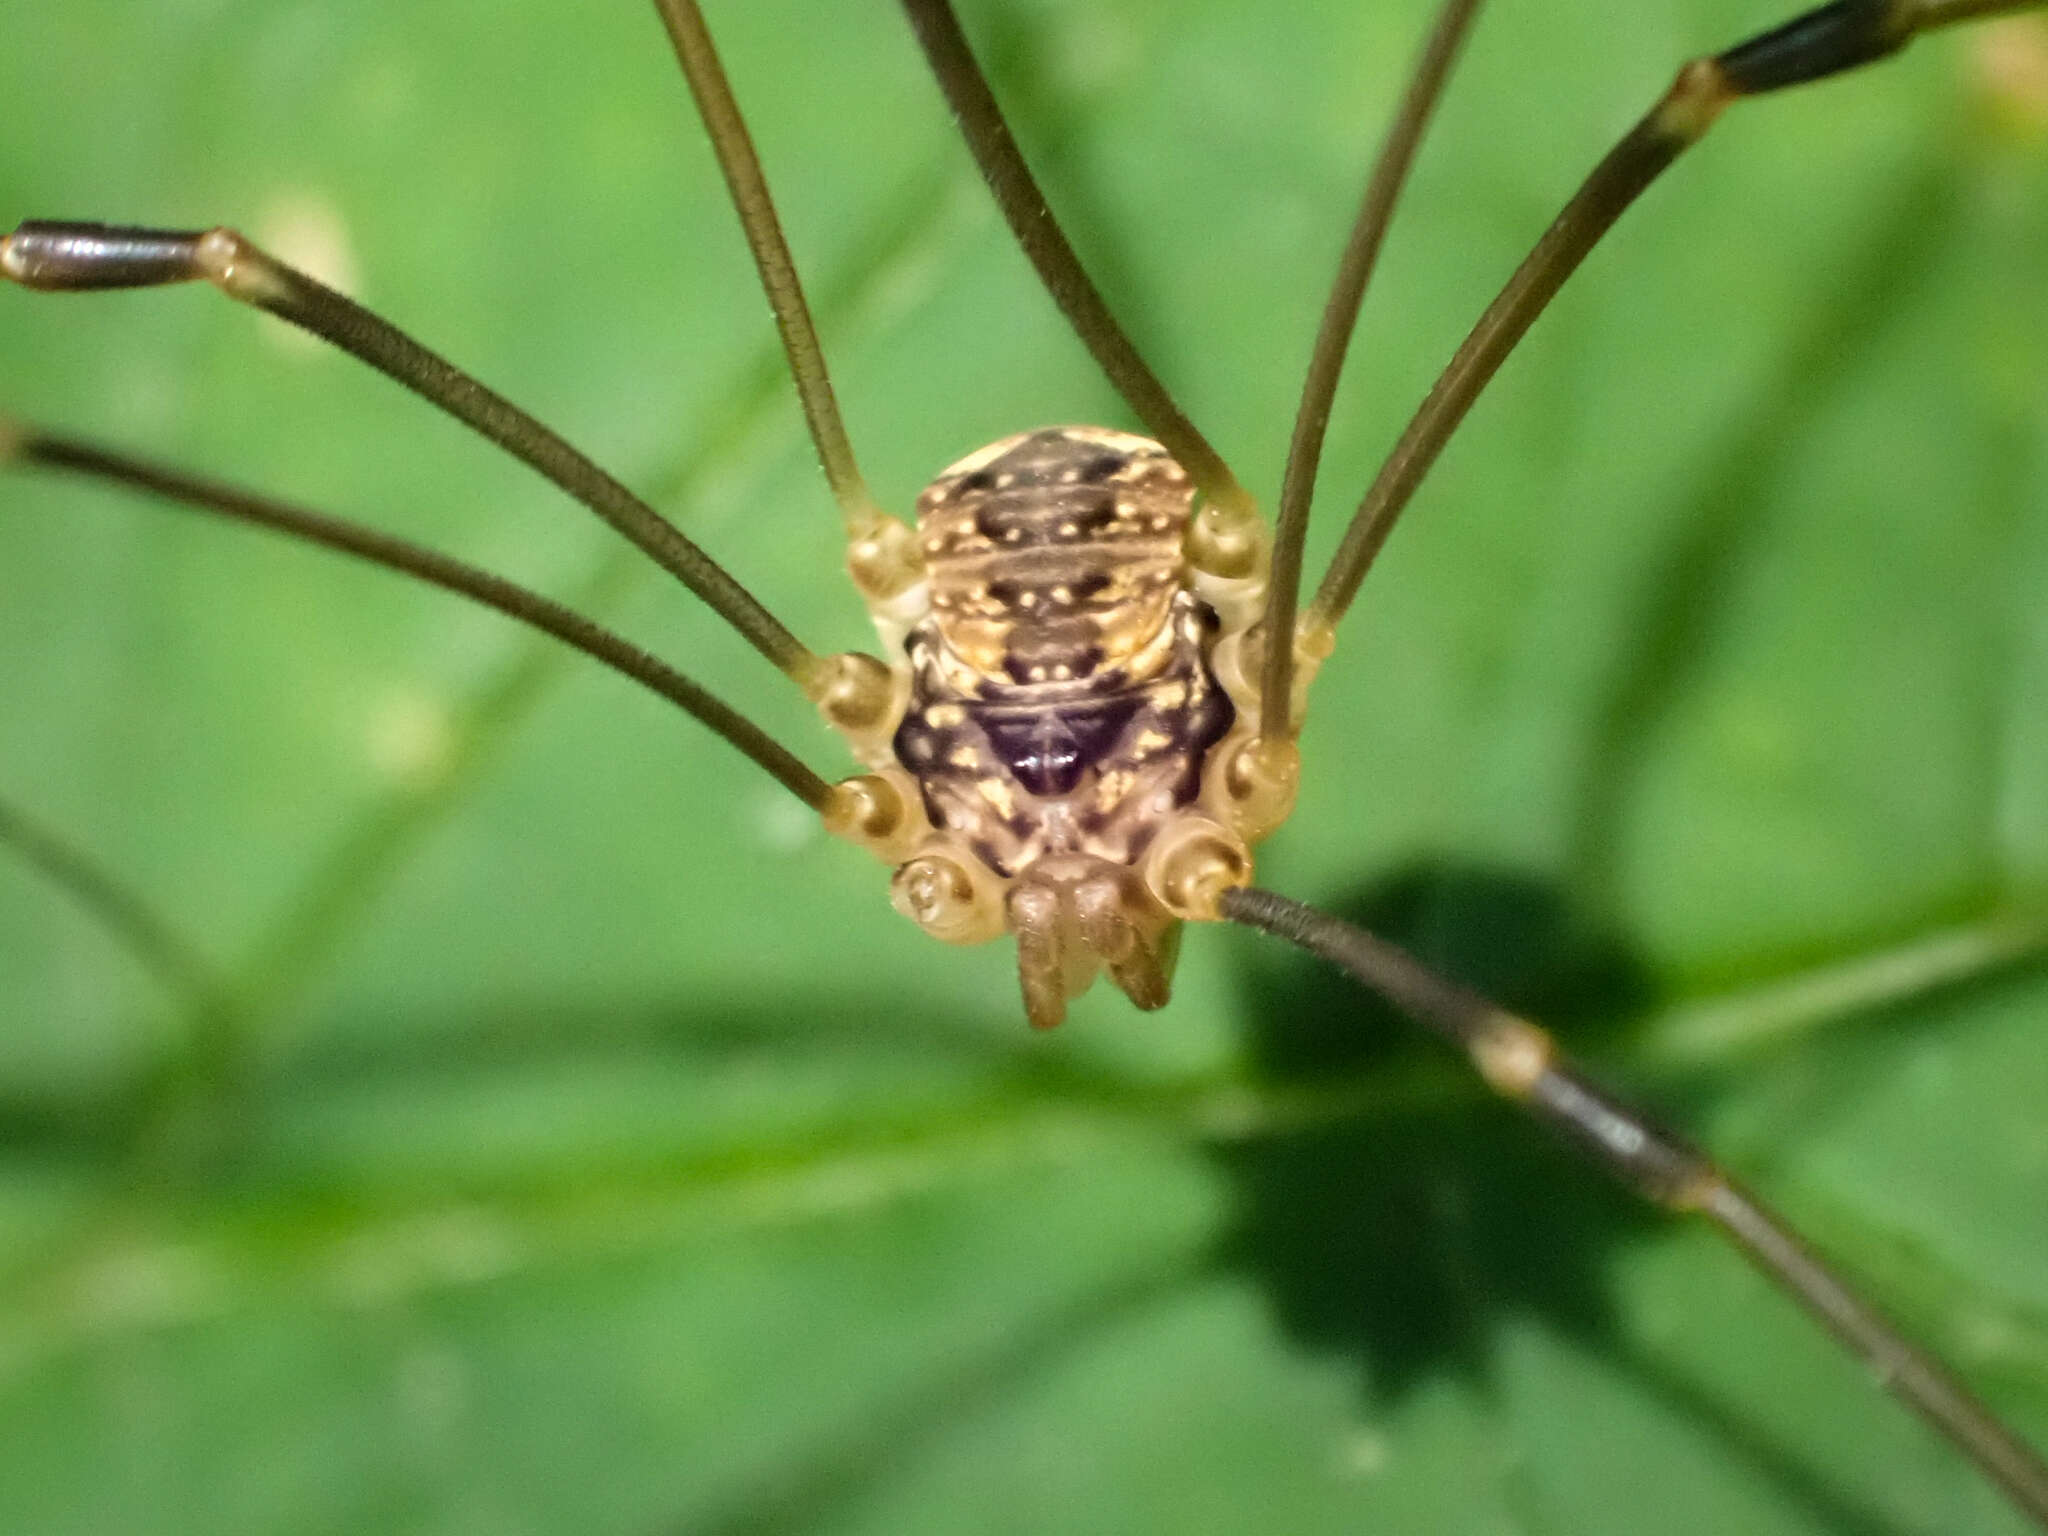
x=593, y=1150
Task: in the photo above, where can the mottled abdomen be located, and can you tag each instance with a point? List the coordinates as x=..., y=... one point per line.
x=1023, y=772
x=1066, y=714
x=1054, y=556
x=1060, y=700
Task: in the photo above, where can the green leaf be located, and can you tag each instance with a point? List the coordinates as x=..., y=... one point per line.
x=597, y=1151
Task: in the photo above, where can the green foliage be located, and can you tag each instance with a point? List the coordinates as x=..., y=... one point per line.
x=591, y=1149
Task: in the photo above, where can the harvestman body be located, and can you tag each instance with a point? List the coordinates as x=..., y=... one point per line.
x=1078, y=730
x=1071, y=746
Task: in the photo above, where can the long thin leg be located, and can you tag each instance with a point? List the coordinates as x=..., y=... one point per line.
x=1333, y=341
x=882, y=551
x=1038, y=232
x=749, y=189
x=1522, y=1062
x=26, y=445
x=1822, y=42
x=80, y=257
x=124, y=913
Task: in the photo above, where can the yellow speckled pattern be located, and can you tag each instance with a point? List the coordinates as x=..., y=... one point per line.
x=1055, y=555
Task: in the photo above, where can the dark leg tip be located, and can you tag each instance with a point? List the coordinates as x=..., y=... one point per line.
x=1823, y=42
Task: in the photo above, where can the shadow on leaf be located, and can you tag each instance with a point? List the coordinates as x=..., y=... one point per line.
x=1403, y=1230
x=1397, y=1235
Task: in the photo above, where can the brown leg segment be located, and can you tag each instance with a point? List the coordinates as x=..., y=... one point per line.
x=749, y=190
x=881, y=551
x=1024, y=208
x=1822, y=42
x=1278, y=720
x=27, y=446
x=1522, y=1062
x=84, y=257
x=120, y=910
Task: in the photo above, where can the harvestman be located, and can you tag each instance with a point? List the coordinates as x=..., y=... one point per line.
x=1080, y=730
